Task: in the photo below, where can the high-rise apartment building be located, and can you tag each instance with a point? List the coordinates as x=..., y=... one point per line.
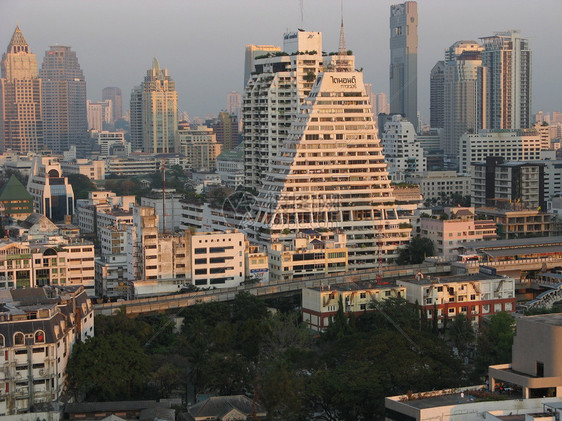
x=234, y=104
x=154, y=112
x=226, y=130
x=463, y=62
x=113, y=94
x=273, y=97
x=404, y=60
x=21, y=125
x=437, y=96
x=99, y=114
x=329, y=172
x=252, y=52
x=65, y=120
x=506, y=81
x=403, y=154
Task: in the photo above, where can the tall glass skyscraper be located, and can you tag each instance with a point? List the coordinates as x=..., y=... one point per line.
x=64, y=100
x=404, y=60
x=21, y=126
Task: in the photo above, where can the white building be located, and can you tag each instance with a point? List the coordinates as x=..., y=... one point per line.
x=230, y=167
x=402, y=153
x=435, y=184
x=200, y=147
x=107, y=140
x=273, y=96
x=99, y=113
x=152, y=255
x=217, y=259
x=52, y=194
x=38, y=329
x=512, y=145
x=136, y=164
x=94, y=170
x=172, y=205
x=330, y=171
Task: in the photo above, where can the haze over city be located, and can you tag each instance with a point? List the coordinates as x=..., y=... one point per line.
x=202, y=43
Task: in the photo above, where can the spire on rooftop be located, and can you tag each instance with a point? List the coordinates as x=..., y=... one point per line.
x=18, y=43
x=342, y=49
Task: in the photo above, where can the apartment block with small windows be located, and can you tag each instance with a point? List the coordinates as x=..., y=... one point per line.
x=451, y=234
x=511, y=145
x=38, y=329
x=218, y=259
x=514, y=222
x=474, y=296
x=319, y=304
x=310, y=253
x=436, y=184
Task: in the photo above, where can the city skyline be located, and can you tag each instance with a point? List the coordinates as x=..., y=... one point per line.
x=203, y=84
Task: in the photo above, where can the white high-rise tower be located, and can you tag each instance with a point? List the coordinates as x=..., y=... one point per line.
x=330, y=172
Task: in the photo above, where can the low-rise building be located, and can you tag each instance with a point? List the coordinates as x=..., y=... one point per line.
x=518, y=223
x=230, y=167
x=110, y=276
x=94, y=170
x=309, y=253
x=52, y=194
x=257, y=263
x=536, y=369
x=15, y=200
x=171, y=205
x=475, y=296
x=320, y=304
x=38, y=328
x=435, y=185
x=218, y=259
x=451, y=232
x=497, y=183
x=200, y=146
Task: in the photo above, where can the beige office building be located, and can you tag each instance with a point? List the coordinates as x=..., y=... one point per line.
x=21, y=124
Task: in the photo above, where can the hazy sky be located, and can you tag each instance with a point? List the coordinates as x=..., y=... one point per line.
x=201, y=42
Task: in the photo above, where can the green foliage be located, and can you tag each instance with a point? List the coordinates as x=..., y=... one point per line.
x=495, y=341
x=108, y=368
x=416, y=251
x=461, y=333
x=81, y=185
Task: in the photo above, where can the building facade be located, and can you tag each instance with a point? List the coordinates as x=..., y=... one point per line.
x=38, y=330
x=272, y=98
x=113, y=94
x=253, y=52
x=330, y=172
x=52, y=194
x=320, y=304
x=403, y=154
x=511, y=145
x=404, y=60
x=497, y=183
x=154, y=112
x=506, y=81
x=200, y=146
x=450, y=235
x=21, y=116
x=475, y=296
x=463, y=61
x=65, y=121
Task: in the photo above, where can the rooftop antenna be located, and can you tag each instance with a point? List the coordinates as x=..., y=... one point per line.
x=342, y=50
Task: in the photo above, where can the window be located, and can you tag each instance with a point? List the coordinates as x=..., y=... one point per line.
x=19, y=339
x=201, y=250
x=451, y=310
x=200, y=271
x=200, y=261
x=363, y=306
x=39, y=337
x=2, y=343
x=363, y=295
x=540, y=369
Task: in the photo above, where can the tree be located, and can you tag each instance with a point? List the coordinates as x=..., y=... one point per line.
x=416, y=251
x=495, y=341
x=460, y=333
x=339, y=326
x=81, y=185
x=108, y=368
